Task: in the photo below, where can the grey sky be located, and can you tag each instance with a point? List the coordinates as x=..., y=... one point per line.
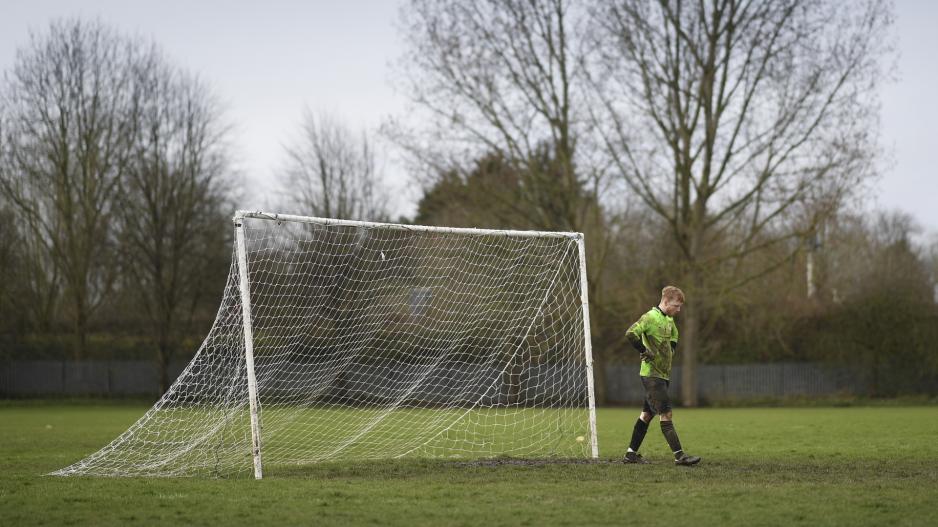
x=910, y=116
x=270, y=60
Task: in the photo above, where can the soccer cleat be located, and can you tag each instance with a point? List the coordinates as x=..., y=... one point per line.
x=635, y=457
x=686, y=460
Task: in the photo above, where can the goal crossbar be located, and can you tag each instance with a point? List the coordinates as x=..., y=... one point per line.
x=403, y=227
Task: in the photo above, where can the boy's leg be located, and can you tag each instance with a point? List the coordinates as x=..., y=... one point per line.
x=670, y=435
x=658, y=394
x=638, y=433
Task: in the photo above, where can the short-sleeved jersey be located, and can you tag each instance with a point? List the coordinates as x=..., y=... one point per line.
x=657, y=332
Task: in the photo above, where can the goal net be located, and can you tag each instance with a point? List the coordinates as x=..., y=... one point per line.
x=342, y=340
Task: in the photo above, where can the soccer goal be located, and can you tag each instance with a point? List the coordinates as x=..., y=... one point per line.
x=347, y=340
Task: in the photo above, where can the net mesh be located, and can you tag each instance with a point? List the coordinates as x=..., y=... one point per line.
x=373, y=342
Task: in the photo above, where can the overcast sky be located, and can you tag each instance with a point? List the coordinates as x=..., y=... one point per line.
x=267, y=61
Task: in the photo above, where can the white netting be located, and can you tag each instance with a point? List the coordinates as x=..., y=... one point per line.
x=375, y=342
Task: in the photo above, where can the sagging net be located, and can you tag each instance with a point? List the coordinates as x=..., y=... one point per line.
x=374, y=342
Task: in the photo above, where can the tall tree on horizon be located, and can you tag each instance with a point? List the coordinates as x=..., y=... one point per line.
x=499, y=78
x=174, y=204
x=69, y=110
x=741, y=124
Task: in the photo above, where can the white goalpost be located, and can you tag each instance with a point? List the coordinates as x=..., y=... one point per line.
x=350, y=340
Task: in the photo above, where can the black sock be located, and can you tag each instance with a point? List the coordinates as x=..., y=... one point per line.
x=667, y=428
x=638, y=434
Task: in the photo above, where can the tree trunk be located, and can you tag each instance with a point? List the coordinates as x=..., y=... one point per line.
x=164, y=352
x=689, y=334
x=81, y=330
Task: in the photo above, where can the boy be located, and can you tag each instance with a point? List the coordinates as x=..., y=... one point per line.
x=655, y=338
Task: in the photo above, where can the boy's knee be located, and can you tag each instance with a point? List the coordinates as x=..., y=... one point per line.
x=665, y=416
x=645, y=416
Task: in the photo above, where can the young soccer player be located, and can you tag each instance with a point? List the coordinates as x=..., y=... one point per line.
x=655, y=338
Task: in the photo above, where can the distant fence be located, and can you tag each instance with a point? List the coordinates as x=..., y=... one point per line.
x=742, y=381
x=116, y=378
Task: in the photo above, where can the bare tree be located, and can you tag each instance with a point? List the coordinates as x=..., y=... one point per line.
x=499, y=78
x=741, y=124
x=32, y=284
x=13, y=302
x=173, y=203
x=332, y=172
x=69, y=106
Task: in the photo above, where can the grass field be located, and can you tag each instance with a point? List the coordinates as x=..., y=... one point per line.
x=766, y=466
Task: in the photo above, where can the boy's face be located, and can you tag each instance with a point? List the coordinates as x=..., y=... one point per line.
x=671, y=306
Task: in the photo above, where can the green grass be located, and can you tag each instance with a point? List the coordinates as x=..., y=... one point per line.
x=766, y=466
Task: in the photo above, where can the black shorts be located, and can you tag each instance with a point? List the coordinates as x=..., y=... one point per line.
x=656, y=396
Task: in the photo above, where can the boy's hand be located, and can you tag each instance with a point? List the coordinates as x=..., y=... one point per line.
x=647, y=356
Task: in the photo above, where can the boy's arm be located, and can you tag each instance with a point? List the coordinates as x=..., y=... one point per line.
x=634, y=336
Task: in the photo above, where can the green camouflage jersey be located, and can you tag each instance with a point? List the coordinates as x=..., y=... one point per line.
x=657, y=331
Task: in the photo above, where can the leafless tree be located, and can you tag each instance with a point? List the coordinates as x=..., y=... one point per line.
x=69, y=111
x=173, y=204
x=740, y=123
x=331, y=172
x=499, y=78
